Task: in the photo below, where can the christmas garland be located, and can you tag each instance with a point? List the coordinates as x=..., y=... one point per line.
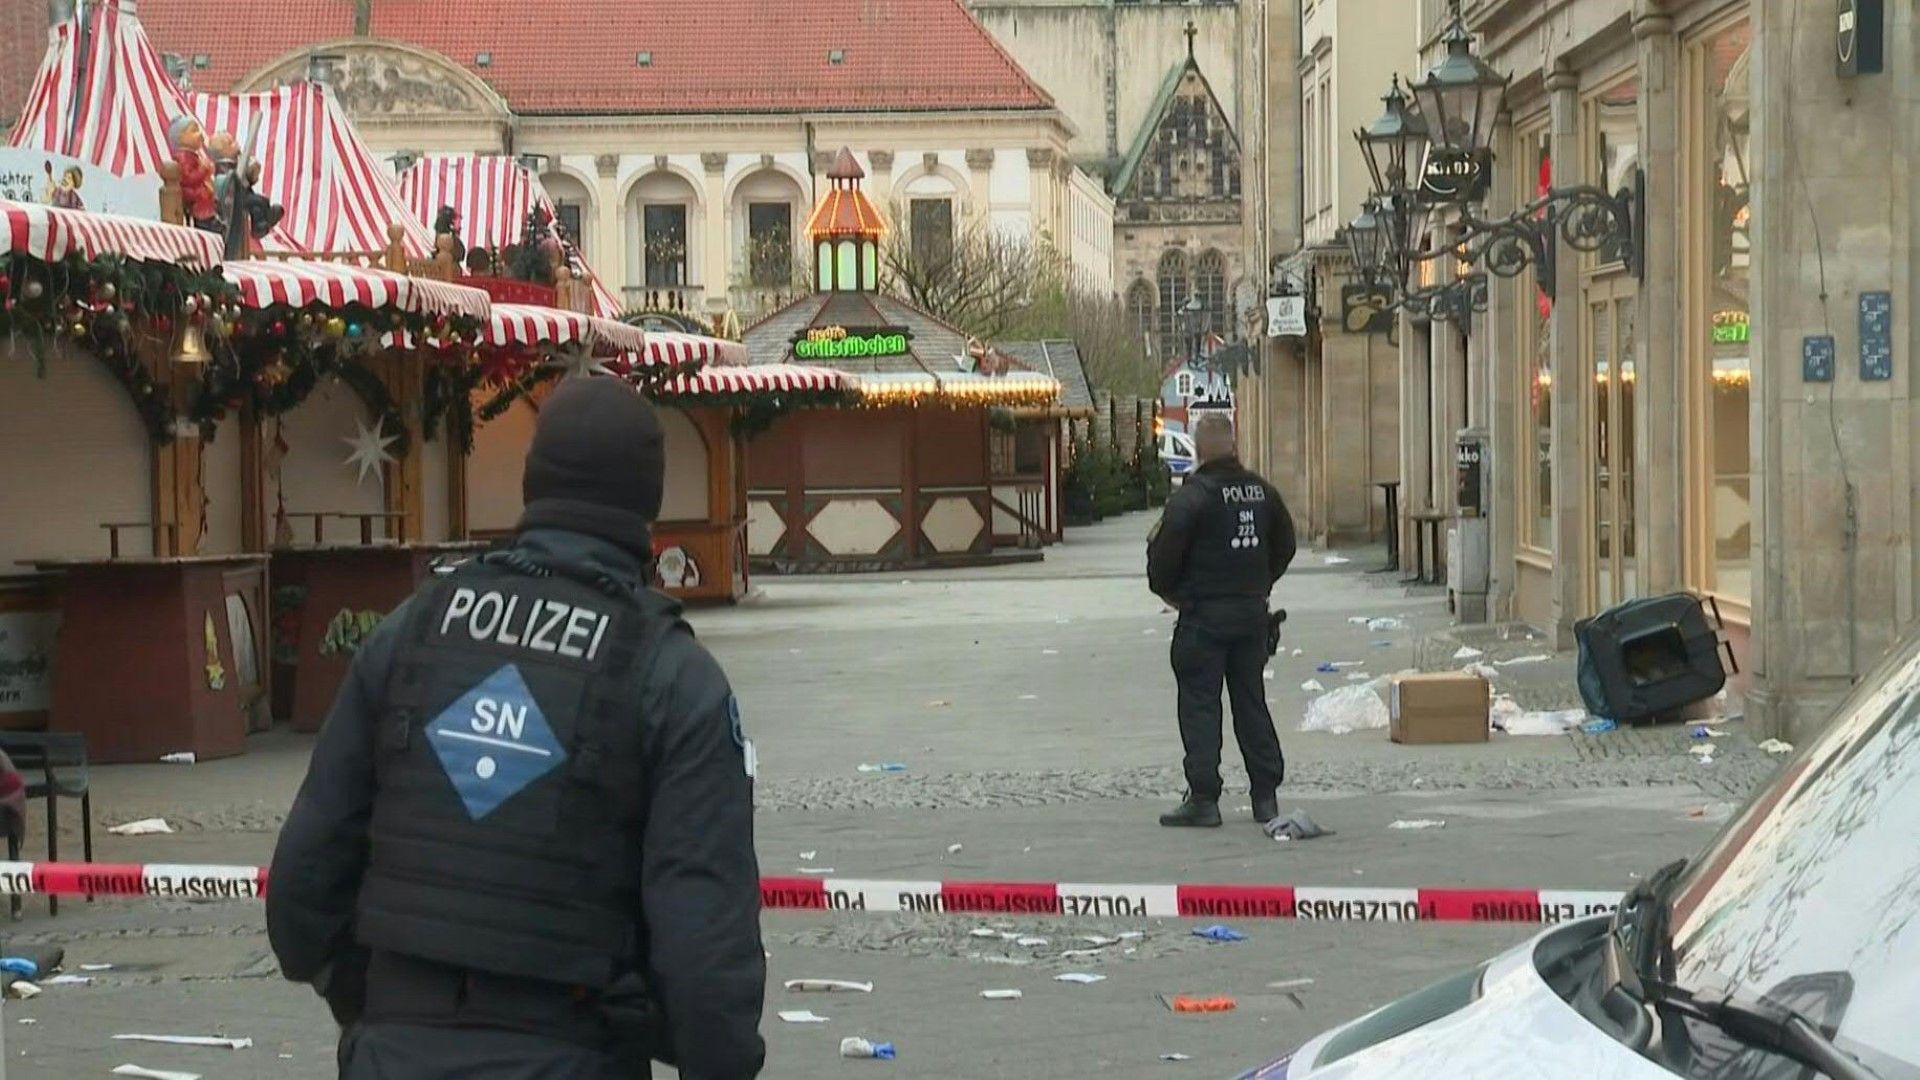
x=108, y=305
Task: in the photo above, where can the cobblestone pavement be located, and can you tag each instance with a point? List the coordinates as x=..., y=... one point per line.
x=1032, y=709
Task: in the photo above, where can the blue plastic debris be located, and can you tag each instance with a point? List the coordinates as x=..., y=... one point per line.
x=20, y=966
x=1220, y=933
x=1598, y=727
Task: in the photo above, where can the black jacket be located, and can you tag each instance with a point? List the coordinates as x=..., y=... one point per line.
x=700, y=899
x=1225, y=535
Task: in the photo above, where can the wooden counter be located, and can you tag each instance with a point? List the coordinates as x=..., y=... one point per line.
x=148, y=662
x=313, y=586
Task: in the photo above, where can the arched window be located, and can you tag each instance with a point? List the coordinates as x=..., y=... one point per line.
x=1210, y=285
x=1140, y=308
x=1173, y=296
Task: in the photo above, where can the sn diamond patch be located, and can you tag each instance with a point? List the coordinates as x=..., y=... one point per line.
x=494, y=741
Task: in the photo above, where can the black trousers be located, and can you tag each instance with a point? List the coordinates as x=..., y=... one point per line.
x=1207, y=652
x=377, y=1051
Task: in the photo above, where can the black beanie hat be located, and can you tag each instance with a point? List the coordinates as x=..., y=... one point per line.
x=597, y=464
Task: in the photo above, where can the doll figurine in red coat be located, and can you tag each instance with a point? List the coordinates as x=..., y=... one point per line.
x=189, y=142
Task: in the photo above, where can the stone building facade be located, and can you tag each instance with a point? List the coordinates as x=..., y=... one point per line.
x=1653, y=427
x=686, y=170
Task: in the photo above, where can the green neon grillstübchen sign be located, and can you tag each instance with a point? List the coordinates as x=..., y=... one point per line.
x=840, y=343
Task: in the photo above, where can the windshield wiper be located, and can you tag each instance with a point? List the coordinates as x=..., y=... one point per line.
x=1763, y=1024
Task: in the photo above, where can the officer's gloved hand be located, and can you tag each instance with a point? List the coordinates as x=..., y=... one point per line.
x=343, y=984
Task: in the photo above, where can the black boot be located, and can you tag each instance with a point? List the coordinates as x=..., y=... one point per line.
x=1266, y=807
x=1193, y=814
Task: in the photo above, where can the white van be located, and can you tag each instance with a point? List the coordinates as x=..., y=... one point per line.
x=1790, y=947
x=1176, y=453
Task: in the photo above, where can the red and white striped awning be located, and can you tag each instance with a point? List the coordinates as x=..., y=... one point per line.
x=267, y=282
x=109, y=104
x=493, y=196
x=757, y=378
x=532, y=325
x=338, y=197
x=44, y=232
x=672, y=347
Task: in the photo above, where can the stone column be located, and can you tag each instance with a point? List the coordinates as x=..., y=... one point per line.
x=1345, y=396
x=1833, y=464
x=1416, y=428
x=1496, y=342
x=980, y=183
x=1572, y=484
x=609, y=256
x=717, y=274
x=1660, y=332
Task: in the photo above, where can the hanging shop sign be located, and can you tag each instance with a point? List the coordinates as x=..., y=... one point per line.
x=1731, y=327
x=844, y=342
x=1286, y=316
x=1454, y=176
x=35, y=176
x=1861, y=40
x=1366, y=309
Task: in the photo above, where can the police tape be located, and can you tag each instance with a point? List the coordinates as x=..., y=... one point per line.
x=1301, y=902
x=983, y=898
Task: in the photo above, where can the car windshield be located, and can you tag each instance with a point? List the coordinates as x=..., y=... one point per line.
x=1817, y=881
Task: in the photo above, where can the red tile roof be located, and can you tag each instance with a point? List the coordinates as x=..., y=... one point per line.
x=705, y=56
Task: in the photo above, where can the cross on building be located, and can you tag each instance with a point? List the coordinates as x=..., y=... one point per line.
x=1190, y=31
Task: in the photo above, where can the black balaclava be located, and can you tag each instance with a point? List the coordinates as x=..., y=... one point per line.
x=597, y=464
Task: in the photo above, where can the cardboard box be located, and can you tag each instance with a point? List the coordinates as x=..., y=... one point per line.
x=1442, y=707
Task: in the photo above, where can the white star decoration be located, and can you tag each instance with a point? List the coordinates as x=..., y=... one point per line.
x=579, y=363
x=369, y=448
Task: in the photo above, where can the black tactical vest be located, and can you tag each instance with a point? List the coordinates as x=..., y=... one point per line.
x=511, y=798
x=1228, y=546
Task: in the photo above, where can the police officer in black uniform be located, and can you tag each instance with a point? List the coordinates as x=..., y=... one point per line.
x=524, y=846
x=1223, y=541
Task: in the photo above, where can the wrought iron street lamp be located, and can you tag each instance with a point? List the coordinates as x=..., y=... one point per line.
x=1368, y=243
x=1449, y=133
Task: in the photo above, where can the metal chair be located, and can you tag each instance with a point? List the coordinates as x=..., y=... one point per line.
x=54, y=767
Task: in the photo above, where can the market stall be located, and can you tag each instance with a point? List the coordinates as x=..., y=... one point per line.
x=700, y=542
x=158, y=648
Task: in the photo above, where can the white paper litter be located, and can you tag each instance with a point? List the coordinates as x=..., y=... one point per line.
x=1485, y=671
x=219, y=1041
x=827, y=986
x=1029, y=697
x=1385, y=623
x=803, y=1016
x=1350, y=708
x=1030, y=942
x=1312, y=686
x=1083, y=978
x=1299, y=652
x=1132, y=935
x=1098, y=940
x=183, y=757
x=23, y=989
x=1358, y=676
x=96, y=967
x=984, y=931
x=154, y=1074
x=807, y=856
x=1267, y=674
x=1418, y=823
x=1016, y=961
x=1002, y=995
x=143, y=827
x=953, y=849
x=26, y=1020
x=1336, y=560
x=1775, y=746
x=67, y=980
x=1342, y=665
x=1533, y=658
x=1075, y=954
x=1560, y=722
x=1176, y=1057
x=1467, y=652
x=1701, y=750
x=1289, y=984
x=813, y=869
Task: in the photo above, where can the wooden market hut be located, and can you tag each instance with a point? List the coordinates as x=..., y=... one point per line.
x=906, y=479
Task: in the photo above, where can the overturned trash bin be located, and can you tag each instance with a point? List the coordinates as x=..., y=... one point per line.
x=1651, y=656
